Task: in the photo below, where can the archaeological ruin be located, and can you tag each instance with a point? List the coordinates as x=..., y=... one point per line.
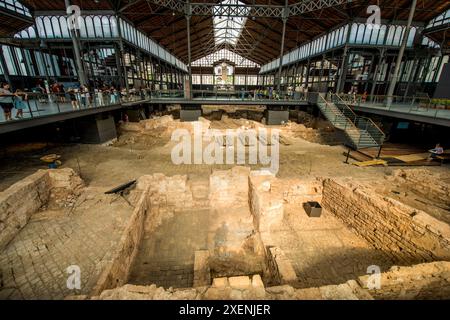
x=223, y=230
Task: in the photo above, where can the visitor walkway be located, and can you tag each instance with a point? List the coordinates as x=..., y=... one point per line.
x=42, y=109
x=419, y=109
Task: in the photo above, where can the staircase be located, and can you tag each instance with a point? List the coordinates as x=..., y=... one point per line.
x=360, y=132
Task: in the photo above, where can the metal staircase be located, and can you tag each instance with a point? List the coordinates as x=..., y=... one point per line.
x=361, y=132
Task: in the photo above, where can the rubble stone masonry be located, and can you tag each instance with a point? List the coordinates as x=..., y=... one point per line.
x=405, y=233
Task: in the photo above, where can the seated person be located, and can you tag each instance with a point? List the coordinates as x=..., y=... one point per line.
x=438, y=150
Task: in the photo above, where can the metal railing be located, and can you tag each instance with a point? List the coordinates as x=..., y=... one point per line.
x=412, y=103
x=362, y=131
x=38, y=104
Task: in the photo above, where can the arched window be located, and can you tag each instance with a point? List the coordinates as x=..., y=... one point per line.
x=399, y=31
x=106, y=27
x=411, y=36
x=64, y=28
x=98, y=27
x=48, y=31
x=83, y=31
x=90, y=27
x=381, y=35
x=353, y=33
x=360, y=34
x=113, y=26
x=390, y=36
x=56, y=27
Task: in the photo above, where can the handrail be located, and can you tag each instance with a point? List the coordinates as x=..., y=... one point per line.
x=359, y=122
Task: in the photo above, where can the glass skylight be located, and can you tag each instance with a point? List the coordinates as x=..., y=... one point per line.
x=228, y=29
x=225, y=55
x=16, y=6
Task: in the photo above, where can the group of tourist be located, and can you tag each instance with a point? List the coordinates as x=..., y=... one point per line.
x=300, y=92
x=80, y=96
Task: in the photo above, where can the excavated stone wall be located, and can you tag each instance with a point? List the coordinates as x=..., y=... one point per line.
x=401, y=231
x=425, y=183
x=118, y=269
x=21, y=200
x=397, y=283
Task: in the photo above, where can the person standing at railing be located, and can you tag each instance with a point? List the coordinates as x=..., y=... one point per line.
x=364, y=97
x=6, y=100
x=99, y=94
x=42, y=97
x=19, y=103
x=82, y=97
x=290, y=92
x=73, y=99
x=297, y=92
x=62, y=93
x=55, y=91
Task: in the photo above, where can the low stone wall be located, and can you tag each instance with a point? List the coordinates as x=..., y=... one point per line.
x=422, y=281
x=229, y=187
x=268, y=196
x=21, y=200
x=267, y=205
x=397, y=283
x=280, y=267
x=117, y=270
x=403, y=232
x=428, y=184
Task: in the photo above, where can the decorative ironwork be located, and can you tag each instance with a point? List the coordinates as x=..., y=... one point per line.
x=266, y=11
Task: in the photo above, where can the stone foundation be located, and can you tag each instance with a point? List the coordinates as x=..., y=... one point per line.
x=117, y=271
x=403, y=232
x=397, y=283
x=20, y=201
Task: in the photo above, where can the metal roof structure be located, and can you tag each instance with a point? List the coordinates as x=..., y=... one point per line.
x=252, y=29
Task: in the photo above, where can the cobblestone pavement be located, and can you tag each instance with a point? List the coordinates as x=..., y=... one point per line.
x=323, y=250
x=34, y=265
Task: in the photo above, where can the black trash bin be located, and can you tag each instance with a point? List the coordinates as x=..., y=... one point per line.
x=313, y=209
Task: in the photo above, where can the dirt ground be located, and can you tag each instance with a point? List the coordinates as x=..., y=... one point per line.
x=137, y=154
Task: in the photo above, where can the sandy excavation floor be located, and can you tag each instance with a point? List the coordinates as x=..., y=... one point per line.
x=322, y=251
x=135, y=155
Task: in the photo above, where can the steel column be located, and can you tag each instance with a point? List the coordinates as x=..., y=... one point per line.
x=283, y=33
x=77, y=51
x=188, y=28
x=400, y=55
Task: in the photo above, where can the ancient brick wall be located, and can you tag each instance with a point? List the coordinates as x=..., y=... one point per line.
x=21, y=200
x=117, y=271
x=403, y=232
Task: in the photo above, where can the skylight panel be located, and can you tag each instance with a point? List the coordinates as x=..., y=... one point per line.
x=227, y=29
